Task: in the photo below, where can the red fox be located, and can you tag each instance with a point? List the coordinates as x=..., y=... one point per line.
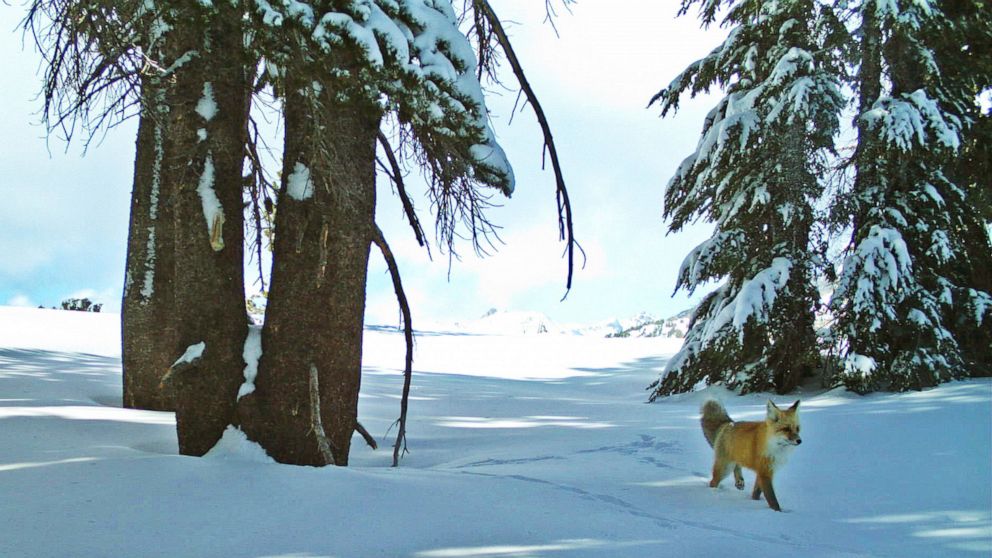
x=761, y=446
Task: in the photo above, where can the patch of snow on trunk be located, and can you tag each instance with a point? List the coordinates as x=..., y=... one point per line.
x=206, y=107
x=298, y=184
x=213, y=212
x=192, y=353
x=251, y=354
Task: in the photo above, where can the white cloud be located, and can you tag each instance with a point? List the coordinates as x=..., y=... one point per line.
x=607, y=54
x=20, y=300
x=530, y=261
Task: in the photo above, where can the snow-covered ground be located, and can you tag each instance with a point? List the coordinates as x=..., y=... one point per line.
x=525, y=445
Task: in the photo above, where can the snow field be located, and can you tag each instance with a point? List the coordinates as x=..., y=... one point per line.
x=521, y=445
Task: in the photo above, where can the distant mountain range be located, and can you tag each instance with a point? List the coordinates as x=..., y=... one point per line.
x=515, y=322
x=675, y=326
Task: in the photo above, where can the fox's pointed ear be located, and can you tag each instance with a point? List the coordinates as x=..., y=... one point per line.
x=795, y=406
x=773, y=410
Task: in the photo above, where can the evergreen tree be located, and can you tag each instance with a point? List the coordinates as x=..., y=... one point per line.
x=756, y=175
x=907, y=296
x=966, y=70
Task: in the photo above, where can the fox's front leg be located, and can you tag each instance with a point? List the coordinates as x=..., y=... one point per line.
x=764, y=484
x=738, y=477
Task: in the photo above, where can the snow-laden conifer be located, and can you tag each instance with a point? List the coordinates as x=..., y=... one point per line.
x=755, y=174
x=907, y=296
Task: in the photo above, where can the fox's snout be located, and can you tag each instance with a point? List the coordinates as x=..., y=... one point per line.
x=787, y=441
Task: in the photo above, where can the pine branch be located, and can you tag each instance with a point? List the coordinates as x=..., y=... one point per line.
x=565, y=225
x=387, y=254
x=92, y=64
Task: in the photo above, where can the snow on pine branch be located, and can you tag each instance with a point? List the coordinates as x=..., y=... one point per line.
x=701, y=75
x=911, y=120
x=981, y=305
x=417, y=60
x=754, y=301
x=877, y=274
x=696, y=341
x=727, y=310
x=723, y=313
x=907, y=14
x=726, y=132
x=702, y=263
x=795, y=61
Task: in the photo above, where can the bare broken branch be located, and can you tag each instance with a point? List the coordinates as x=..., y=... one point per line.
x=394, y=271
x=551, y=14
x=326, y=450
x=365, y=434
x=565, y=226
x=260, y=189
x=396, y=174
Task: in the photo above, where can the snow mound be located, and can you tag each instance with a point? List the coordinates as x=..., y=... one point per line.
x=60, y=330
x=234, y=445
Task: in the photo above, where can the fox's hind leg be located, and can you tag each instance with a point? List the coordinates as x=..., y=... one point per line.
x=721, y=467
x=738, y=477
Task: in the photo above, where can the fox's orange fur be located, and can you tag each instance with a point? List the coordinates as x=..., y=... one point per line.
x=762, y=446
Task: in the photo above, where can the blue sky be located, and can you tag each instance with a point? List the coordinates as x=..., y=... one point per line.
x=63, y=218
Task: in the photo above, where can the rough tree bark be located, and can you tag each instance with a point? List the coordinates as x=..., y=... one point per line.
x=149, y=339
x=316, y=307
x=209, y=131
x=794, y=354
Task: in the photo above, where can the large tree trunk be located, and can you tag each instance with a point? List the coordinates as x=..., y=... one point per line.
x=867, y=189
x=148, y=326
x=794, y=353
x=209, y=128
x=316, y=302
x=866, y=160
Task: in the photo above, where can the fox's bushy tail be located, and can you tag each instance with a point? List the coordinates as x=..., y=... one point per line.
x=714, y=417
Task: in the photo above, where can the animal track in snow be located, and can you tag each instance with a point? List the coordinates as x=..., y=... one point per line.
x=646, y=443
x=520, y=461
